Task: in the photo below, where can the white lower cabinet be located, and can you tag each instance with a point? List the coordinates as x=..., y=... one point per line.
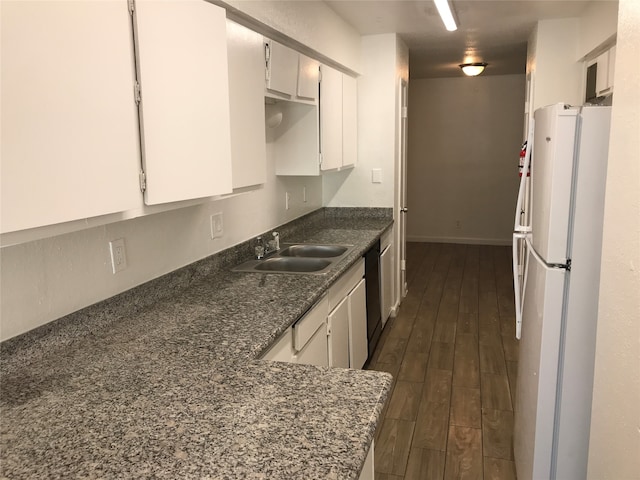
x=367, y=472
x=358, y=346
x=310, y=336
x=282, y=350
x=338, y=335
x=350, y=289
x=386, y=276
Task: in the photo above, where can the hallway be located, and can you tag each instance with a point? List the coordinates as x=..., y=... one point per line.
x=453, y=355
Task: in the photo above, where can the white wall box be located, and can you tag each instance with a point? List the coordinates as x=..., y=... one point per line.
x=245, y=50
x=182, y=62
x=338, y=119
x=282, y=68
x=70, y=147
x=338, y=335
x=386, y=275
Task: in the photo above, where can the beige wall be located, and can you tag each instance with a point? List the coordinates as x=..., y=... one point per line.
x=553, y=58
x=464, y=139
x=614, y=450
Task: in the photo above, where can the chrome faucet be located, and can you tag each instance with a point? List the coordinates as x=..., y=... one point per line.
x=263, y=248
x=274, y=244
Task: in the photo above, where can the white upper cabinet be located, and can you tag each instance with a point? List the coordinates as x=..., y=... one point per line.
x=338, y=119
x=349, y=121
x=69, y=131
x=308, y=78
x=330, y=118
x=282, y=68
x=246, y=100
x=182, y=62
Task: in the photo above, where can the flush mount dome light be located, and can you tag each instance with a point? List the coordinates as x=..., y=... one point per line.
x=473, y=69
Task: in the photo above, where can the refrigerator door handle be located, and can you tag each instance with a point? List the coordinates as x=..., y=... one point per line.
x=518, y=226
x=519, y=279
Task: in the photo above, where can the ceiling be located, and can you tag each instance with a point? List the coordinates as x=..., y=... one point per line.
x=493, y=31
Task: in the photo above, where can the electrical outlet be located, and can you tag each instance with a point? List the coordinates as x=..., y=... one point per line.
x=287, y=198
x=216, y=225
x=304, y=194
x=376, y=175
x=118, y=255
x=458, y=224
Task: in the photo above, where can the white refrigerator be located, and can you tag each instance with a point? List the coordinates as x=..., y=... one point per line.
x=556, y=278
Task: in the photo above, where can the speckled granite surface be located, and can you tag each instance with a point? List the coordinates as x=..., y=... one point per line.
x=169, y=387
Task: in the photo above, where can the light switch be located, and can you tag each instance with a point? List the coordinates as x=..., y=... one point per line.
x=376, y=175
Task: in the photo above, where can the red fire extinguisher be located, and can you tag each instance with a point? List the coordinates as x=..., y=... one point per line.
x=523, y=154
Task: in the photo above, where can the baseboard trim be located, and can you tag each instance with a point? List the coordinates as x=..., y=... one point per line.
x=461, y=240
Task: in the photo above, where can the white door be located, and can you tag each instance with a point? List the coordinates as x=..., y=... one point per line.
x=338, y=335
x=402, y=195
x=70, y=147
x=538, y=369
x=330, y=117
x=386, y=283
x=358, y=346
x=551, y=180
x=182, y=62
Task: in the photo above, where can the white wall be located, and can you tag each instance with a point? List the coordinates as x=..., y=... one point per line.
x=553, y=57
x=45, y=279
x=464, y=138
x=615, y=421
x=598, y=24
x=311, y=23
x=377, y=92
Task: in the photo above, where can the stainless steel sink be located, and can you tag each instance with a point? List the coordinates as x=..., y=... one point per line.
x=298, y=258
x=313, y=251
x=292, y=264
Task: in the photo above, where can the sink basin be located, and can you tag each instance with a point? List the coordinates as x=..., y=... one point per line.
x=313, y=251
x=298, y=258
x=292, y=264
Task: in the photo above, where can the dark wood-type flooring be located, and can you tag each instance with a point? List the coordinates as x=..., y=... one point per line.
x=453, y=355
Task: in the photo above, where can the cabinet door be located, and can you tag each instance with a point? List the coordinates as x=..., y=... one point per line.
x=315, y=352
x=367, y=472
x=338, y=334
x=69, y=127
x=358, y=349
x=246, y=102
x=308, y=78
x=330, y=118
x=182, y=63
x=386, y=283
x=349, y=121
x=282, y=68
x=282, y=351
x=602, y=74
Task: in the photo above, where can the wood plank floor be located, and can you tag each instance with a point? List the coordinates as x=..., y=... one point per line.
x=453, y=355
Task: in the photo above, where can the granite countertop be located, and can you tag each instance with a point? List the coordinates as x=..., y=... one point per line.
x=175, y=388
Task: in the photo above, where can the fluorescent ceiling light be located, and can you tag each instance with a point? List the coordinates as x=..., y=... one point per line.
x=445, y=14
x=473, y=69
